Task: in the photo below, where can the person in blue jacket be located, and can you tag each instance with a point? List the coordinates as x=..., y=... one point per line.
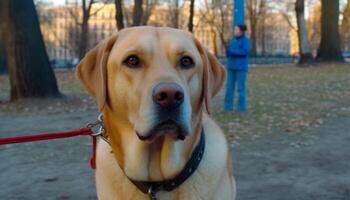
x=237, y=68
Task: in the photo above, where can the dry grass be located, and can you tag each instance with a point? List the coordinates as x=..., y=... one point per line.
x=280, y=100
x=74, y=98
x=288, y=100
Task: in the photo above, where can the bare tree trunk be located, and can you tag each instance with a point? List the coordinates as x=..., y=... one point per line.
x=329, y=49
x=254, y=38
x=222, y=26
x=83, y=36
x=150, y=4
x=83, y=24
x=256, y=9
x=345, y=28
x=138, y=12
x=28, y=64
x=263, y=34
x=190, y=20
x=304, y=46
x=84, y=27
x=119, y=18
x=176, y=13
x=2, y=55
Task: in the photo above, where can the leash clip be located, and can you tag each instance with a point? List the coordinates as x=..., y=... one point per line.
x=100, y=133
x=99, y=123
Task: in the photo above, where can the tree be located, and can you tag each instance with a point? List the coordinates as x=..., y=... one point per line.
x=86, y=10
x=304, y=45
x=216, y=16
x=84, y=23
x=28, y=64
x=345, y=28
x=223, y=25
x=68, y=41
x=138, y=12
x=256, y=10
x=190, y=20
x=149, y=6
x=174, y=14
x=2, y=58
x=119, y=18
x=329, y=49
x=314, y=27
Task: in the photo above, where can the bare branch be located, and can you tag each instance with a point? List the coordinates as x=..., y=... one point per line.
x=73, y=14
x=90, y=5
x=97, y=10
x=286, y=17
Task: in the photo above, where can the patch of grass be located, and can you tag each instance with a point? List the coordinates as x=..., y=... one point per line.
x=74, y=98
x=280, y=100
x=288, y=100
x=4, y=87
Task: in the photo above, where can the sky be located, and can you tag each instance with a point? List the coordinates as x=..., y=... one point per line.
x=56, y=2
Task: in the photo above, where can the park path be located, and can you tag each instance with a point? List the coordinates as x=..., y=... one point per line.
x=313, y=165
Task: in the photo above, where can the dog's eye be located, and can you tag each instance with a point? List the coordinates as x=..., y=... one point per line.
x=132, y=61
x=186, y=62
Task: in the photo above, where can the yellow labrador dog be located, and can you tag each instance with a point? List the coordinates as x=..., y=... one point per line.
x=154, y=87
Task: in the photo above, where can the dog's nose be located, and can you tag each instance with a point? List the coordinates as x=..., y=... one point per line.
x=168, y=95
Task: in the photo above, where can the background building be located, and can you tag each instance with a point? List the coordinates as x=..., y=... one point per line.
x=61, y=31
x=212, y=27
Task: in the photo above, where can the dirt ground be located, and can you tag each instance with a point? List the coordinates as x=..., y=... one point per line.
x=314, y=165
x=307, y=166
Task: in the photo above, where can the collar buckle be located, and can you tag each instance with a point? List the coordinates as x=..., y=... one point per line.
x=151, y=193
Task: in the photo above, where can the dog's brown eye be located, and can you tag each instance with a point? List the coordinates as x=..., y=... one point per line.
x=186, y=62
x=132, y=61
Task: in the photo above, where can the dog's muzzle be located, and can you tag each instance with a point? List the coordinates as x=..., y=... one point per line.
x=168, y=95
x=168, y=99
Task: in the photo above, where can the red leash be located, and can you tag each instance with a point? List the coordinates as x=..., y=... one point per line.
x=45, y=136
x=57, y=135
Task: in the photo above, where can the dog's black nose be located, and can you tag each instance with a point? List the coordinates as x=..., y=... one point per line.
x=168, y=95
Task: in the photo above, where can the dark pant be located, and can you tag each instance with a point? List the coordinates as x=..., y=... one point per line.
x=236, y=77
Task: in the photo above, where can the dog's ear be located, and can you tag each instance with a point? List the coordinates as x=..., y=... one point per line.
x=92, y=70
x=214, y=75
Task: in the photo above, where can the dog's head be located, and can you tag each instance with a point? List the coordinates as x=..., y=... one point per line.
x=155, y=79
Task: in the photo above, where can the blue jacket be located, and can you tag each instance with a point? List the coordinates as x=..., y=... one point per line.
x=238, y=53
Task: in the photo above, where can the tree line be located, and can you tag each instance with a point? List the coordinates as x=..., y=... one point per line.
x=142, y=10
x=326, y=34
x=329, y=48
x=27, y=61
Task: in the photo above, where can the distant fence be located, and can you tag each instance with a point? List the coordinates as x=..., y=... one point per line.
x=277, y=59
x=267, y=59
x=259, y=60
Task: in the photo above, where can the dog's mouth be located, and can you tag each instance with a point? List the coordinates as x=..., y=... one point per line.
x=167, y=127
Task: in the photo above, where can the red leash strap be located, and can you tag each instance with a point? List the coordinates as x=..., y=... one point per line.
x=57, y=135
x=93, y=156
x=45, y=136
